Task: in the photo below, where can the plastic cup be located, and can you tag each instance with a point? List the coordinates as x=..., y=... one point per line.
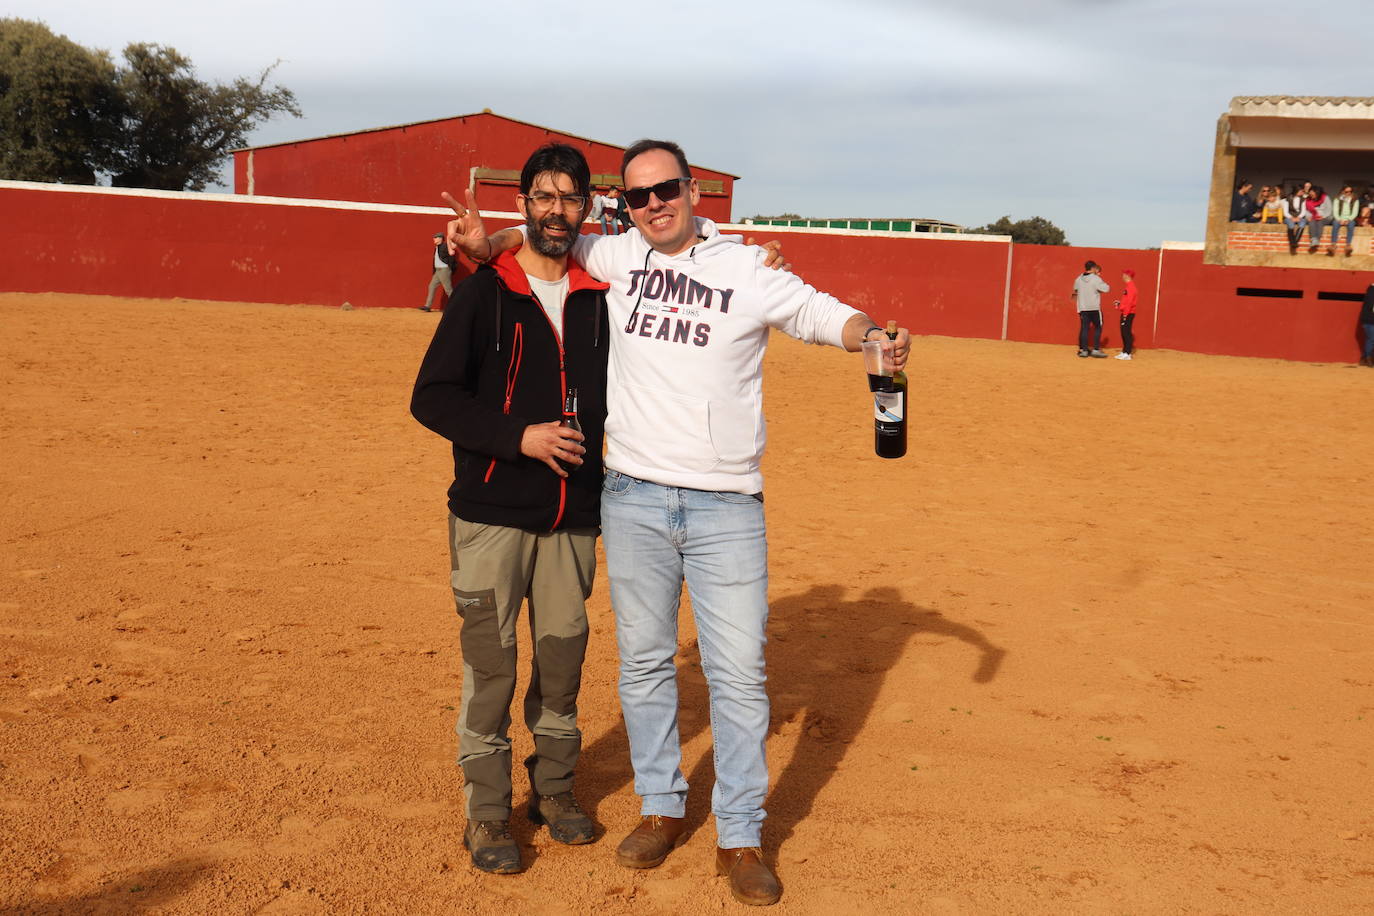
x=878, y=364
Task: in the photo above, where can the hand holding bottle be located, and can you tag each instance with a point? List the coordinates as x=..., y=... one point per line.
x=884, y=361
x=554, y=444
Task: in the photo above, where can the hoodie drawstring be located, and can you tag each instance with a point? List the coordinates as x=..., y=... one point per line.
x=643, y=282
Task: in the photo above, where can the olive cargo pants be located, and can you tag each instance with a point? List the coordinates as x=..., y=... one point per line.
x=494, y=570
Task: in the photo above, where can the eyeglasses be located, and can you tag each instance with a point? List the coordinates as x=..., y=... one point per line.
x=543, y=201
x=664, y=191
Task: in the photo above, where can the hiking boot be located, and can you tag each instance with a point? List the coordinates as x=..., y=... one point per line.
x=649, y=843
x=752, y=882
x=566, y=820
x=493, y=848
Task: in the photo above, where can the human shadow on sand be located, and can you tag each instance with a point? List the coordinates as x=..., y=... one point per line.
x=155, y=888
x=828, y=656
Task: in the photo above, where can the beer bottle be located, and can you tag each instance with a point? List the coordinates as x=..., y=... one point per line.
x=889, y=412
x=570, y=420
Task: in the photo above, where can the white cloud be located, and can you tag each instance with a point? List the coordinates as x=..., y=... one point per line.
x=1097, y=115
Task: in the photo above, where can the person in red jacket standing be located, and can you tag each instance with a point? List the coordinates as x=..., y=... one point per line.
x=1126, y=306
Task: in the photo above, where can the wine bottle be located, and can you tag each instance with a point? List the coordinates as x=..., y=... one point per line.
x=889, y=411
x=570, y=420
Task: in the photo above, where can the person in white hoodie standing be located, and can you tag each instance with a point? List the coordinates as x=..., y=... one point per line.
x=691, y=311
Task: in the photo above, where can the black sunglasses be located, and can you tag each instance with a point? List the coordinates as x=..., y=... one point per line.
x=664, y=191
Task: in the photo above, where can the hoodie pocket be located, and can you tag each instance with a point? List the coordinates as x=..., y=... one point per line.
x=658, y=429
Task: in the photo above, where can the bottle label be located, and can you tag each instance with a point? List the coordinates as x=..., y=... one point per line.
x=889, y=406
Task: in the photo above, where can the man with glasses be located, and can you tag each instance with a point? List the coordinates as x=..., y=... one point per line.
x=516, y=339
x=691, y=311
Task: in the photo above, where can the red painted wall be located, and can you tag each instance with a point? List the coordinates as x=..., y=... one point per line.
x=181, y=246
x=1042, y=278
x=162, y=245
x=1201, y=312
x=412, y=164
x=930, y=284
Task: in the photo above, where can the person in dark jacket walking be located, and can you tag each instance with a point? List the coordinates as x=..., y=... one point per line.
x=520, y=353
x=442, y=275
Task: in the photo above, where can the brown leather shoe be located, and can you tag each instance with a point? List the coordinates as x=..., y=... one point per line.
x=751, y=880
x=649, y=843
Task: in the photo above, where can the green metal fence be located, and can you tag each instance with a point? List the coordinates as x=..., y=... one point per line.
x=881, y=225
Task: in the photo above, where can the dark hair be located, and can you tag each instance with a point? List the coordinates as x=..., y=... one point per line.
x=1242, y=183
x=1318, y=190
x=560, y=158
x=1089, y=265
x=643, y=146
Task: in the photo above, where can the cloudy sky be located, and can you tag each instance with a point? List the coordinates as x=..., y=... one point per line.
x=1099, y=115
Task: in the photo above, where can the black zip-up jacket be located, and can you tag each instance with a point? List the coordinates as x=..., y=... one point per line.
x=494, y=367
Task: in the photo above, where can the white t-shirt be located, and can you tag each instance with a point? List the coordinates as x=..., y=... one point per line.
x=551, y=294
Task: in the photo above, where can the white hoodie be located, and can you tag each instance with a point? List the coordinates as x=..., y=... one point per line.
x=684, y=391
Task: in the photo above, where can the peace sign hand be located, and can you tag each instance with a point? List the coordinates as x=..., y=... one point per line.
x=466, y=233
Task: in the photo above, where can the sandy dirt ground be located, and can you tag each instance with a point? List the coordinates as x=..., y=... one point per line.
x=1102, y=643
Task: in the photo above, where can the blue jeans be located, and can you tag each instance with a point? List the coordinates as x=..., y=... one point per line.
x=1369, y=341
x=1295, y=227
x=609, y=224
x=1336, y=233
x=655, y=537
x=1315, y=229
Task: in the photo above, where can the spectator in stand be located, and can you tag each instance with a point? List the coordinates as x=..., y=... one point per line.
x=1366, y=206
x=1295, y=216
x=606, y=210
x=1087, y=296
x=598, y=205
x=1367, y=325
x=1126, y=306
x=1272, y=209
x=610, y=213
x=625, y=224
x=1318, y=216
x=1344, y=211
x=1242, y=204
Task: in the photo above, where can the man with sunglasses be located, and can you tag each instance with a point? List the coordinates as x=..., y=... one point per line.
x=515, y=339
x=691, y=311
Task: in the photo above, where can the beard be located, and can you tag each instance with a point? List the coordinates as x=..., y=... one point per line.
x=544, y=244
